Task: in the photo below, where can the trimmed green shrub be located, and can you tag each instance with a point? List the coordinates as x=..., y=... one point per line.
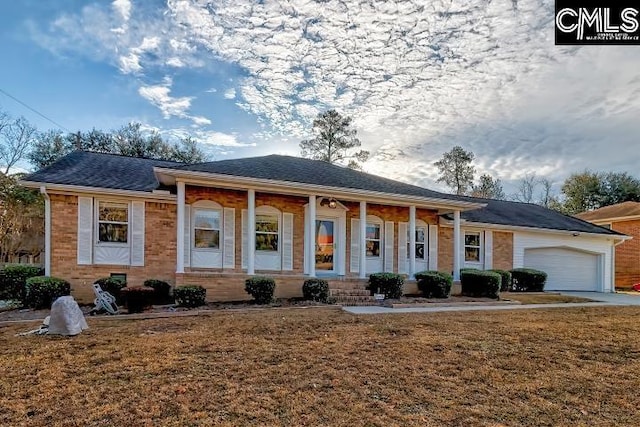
x=13, y=279
x=528, y=280
x=113, y=286
x=315, y=290
x=480, y=284
x=261, y=288
x=42, y=291
x=505, y=284
x=190, y=296
x=389, y=284
x=434, y=284
x=137, y=298
x=162, y=291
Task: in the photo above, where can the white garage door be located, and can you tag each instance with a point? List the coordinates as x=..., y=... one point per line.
x=567, y=269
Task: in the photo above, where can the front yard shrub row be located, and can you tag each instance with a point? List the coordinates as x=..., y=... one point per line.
x=528, y=280
x=389, y=284
x=505, y=283
x=434, y=284
x=13, y=279
x=190, y=296
x=261, y=288
x=161, y=291
x=478, y=283
x=137, y=298
x=42, y=291
x=315, y=290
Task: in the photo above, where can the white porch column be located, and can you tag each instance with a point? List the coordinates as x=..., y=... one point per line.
x=412, y=241
x=180, y=228
x=251, y=231
x=312, y=236
x=456, y=245
x=363, y=240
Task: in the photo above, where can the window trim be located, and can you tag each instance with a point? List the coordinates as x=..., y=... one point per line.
x=480, y=246
x=379, y=239
x=220, y=230
x=425, y=243
x=96, y=228
x=269, y=211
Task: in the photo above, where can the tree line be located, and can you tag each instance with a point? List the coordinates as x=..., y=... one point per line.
x=581, y=191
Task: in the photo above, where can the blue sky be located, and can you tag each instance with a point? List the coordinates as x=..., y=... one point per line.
x=247, y=78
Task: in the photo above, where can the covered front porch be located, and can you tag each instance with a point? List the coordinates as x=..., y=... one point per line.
x=228, y=230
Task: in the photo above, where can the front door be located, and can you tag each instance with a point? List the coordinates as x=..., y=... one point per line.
x=325, y=245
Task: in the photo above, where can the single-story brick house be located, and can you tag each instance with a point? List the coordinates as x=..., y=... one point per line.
x=623, y=218
x=213, y=224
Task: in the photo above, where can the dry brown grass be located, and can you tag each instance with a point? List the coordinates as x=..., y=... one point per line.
x=569, y=367
x=540, y=298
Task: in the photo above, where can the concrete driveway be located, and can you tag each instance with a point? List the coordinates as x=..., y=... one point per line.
x=612, y=298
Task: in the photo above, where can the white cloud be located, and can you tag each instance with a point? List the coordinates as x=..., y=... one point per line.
x=159, y=96
x=230, y=93
x=123, y=8
x=418, y=78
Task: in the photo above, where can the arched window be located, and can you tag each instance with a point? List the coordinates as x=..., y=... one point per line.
x=268, y=225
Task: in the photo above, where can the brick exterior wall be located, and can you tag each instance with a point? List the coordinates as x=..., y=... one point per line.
x=227, y=284
x=160, y=248
x=502, y=250
x=628, y=254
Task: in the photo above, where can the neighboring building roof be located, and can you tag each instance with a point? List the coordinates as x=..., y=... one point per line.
x=620, y=210
x=101, y=170
x=315, y=172
x=516, y=214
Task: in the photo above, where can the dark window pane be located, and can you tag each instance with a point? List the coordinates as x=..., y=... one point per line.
x=472, y=239
x=373, y=248
x=420, y=250
x=266, y=242
x=267, y=223
x=373, y=231
x=420, y=234
x=207, y=239
x=113, y=212
x=114, y=233
x=472, y=254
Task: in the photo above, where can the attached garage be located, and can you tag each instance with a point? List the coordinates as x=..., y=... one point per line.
x=568, y=269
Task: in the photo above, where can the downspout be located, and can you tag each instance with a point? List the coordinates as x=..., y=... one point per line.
x=47, y=231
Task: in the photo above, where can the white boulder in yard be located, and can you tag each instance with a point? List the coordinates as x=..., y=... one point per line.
x=66, y=317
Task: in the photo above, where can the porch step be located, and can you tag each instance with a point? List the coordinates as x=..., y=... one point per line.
x=355, y=300
x=349, y=292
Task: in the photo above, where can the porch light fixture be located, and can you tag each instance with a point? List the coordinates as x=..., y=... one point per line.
x=330, y=202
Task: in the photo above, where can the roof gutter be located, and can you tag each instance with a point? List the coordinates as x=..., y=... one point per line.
x=574, y=233
x=79, y=189
x=304, y=189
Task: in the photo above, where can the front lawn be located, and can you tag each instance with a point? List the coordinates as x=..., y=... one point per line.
x=321, y=366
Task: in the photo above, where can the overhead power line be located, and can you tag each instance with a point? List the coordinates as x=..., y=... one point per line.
x=34, y=110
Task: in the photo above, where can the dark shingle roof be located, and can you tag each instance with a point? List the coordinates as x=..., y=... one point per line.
x=518, y=214
x=129, y=173
x=101, y=170
x=316, y=172
x=619, y=210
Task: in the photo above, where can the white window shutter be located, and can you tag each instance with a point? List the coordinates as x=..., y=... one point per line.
x=287, y=241
x=137, y=233
x=187, y=236
x=229, y=238
x=85, y=230
x=433, y=247
x=388, y=246
x=402, y=247
x=488, y=250
x=245, y=238
x=355, y=246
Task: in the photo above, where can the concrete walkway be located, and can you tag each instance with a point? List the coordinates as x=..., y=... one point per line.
x=602, y=299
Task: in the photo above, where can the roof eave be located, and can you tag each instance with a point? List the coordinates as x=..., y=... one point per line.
x=306, y=189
